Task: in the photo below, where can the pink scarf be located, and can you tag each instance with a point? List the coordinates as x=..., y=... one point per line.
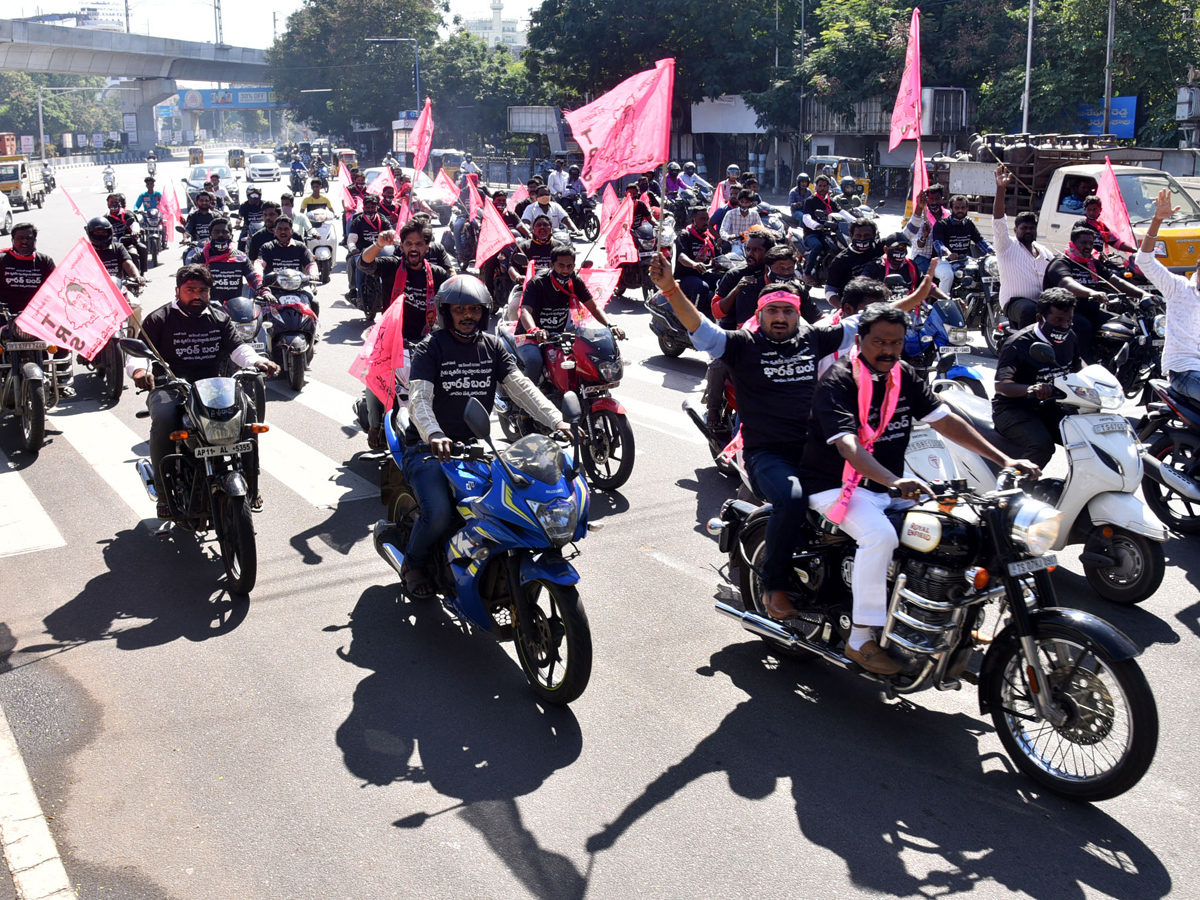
x=866, y=435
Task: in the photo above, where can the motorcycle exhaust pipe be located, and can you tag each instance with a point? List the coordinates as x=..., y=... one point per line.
x=391, y=555
x=773, y=631
x=1169, y=478
x=146, y=470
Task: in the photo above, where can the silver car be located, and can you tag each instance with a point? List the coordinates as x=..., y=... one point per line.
x=262, y=167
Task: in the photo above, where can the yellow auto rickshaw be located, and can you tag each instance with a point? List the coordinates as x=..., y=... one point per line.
x=450, y=160
x=196, y=156
x=237, y=159
x=345, y=155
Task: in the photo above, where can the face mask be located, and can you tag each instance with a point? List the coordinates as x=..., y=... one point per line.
x=219, y=246
x=861, y=244
x=897, y=256
x=1057, y=335
x=564, y=280
x=772, y=278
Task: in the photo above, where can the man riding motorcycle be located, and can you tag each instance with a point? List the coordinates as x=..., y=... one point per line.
x=254, y=246
x=286, y=253
x=862, y=413
x=544, y=207
x=191, y=335
x=200, y=219
x=927, y=212
x=251, y=213
x=816, y=230
x=557, y=182
x=695, y=252
x=798, y=195
x=865, y=248
x=22, y=268
x=364, y=228
x=125, y=228
x=1021, y=261
x=456, y=363
x=148, y=199
x=112, y=252
x=953, y=238
x=230, y=267
x=537, y=248
x=691, y=180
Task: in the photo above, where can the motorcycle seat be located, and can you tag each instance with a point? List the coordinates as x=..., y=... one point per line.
x=1185, y=404
x=978, y=412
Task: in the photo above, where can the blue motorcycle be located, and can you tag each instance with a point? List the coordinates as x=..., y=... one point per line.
x=515, y=511
x=935, y=340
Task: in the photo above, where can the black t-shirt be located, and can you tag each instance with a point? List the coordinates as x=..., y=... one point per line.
x=550, y=303
x=907, y=270
x=366, y=228
x=251, y=213
x=775, y=382
x=192, y=345
x=1015, y=364
x=228, y=270
x=293, y=256
x=198, y=224
x=955, y=236
x=1061, y=267
x=114, y=257
x=257, y=241
x=21, y=278
x=440, y=256
x=850, y=264
x=827, y=206
x=458, y=371
x=120, y=223
x=835, y=412
x=537, y=253
x=746, y=304
x=415, y=290
x=694, y=248
x=521, y=206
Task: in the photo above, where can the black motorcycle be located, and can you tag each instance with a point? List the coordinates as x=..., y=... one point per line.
x=673, y=338
x=210, y=478
x=1171, y=484
x=1066, y=696
x=582, y=211
x=155, y=232
x=249, y=319
x=1129, y=341
x=293, y=323
x=32, y=373
x=977, y=291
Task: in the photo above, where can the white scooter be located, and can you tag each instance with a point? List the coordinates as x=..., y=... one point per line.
x=1123, y=555
x=323, y=241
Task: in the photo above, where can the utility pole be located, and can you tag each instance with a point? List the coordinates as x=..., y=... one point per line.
x=127, y=16
x=218, y=117
x=1108, y=66
x=803, y=50
x=777, y=76
x=275, y=26
x=1028, y=67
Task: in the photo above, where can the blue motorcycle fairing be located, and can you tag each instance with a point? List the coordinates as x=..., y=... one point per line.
x=395, y=446
x=964, y=371
x=547, y=568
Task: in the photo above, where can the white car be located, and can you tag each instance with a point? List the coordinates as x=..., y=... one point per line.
x=6, y=215
x=262, y=167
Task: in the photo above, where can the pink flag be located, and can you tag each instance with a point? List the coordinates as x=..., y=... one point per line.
x=171, y=213
x=405, y=212
x=349, y=202
x=74, y=208
x=385, y=180
x=608, y=205
x=906, y=114
x=601, y=283
x=420, y=141
x=445, y=189
x=474, y=201
x=618, y=242
x=386, y=355
x=494, y=235
x=344, y=174
x=78, y=307
x=521, y=193
x=629, y=128
x=920, y=175
x=720, y=195
x=1116, y=215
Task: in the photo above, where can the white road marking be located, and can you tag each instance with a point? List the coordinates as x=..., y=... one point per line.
x=314, y=476
x=110, y=447
x=25, y=527
x=329, y=401
x=657, y=418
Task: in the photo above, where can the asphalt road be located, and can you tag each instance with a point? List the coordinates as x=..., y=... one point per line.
x=329, y=739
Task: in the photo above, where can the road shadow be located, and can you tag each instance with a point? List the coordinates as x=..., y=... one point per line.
x=453, y=711
x=896, y=791
x=1142, y=626
x=682, y=374
x=606, y=503
x=347, y=524
x=173, y=583
x=8, y=643
x=712, y=489
x=349, y=331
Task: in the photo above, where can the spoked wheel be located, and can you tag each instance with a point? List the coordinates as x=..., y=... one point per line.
x=33, y=416
x=987, y=327
x=554, y=642
x=751, y=585
x=1140, y=566
x=1110, y=734
x=113, y=371
x=591, y=225
x=239, y=553
x=608, y=453
x=1175, y=510
x=296, y=368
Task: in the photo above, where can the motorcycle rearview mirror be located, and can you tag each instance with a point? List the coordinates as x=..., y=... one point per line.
x=571, y=410
x=181, y=229
x=1043, y=353
x=587, y=264
x=135, y=347
x=894, y=281
x=476, y=418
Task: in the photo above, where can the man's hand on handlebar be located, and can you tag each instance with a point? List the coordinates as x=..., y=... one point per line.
x=1024, y=466
x=1041, y=390
x=442, y=448
x=144, y=379
x=911, y=488
x=618, y=333
x=269, y=366
x=539, y=335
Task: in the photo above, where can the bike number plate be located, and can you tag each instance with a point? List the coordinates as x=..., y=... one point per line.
x=1110, y=427
x=259, y=345
x=1158, y=342
x=1025, y=566
x=226, y=450
x=26, y=345
x=955, y=351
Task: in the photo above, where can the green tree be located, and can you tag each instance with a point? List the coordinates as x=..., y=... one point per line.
x=76, y=112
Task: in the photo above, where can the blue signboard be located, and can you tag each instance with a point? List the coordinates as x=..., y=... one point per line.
x=1124, y=111
x=164, y=112
x=229, y=98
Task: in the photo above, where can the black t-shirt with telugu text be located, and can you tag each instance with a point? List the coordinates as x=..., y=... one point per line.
x=366, y=228
x=1061, y=267
x=198, y=224
x=415, y=291
x=114, y=257
x=746, y=303
x=20, y=278
x=536, y=252
x=192, y=345
x=458, y=371
x=1015, y=364
x=775, y=382
x=700, y=249
x=850, y=264
x=835, y=412
x=257, y=241
x=293, y=255
x=956, y=236
x=550, y=303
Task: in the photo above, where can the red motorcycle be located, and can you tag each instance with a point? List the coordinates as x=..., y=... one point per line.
x=585, y=362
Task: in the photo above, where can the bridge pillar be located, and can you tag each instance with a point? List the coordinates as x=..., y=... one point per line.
x=150, y=91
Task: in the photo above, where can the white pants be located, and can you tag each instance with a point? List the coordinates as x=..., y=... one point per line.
x=877, y=541
x=945, y=274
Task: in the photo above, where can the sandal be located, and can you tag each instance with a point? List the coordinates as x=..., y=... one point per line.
x=417, y=582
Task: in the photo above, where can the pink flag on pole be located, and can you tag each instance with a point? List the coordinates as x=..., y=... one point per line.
x=361, y=365
x=171, y=213
x=445, y=189
x=349, y=202
x=521, y=193
x=920, y=175
x=405, y=212
x=474, y=201
x=421, y=138
x=720, y=195
x=601, y=283
x=71, y=200
x=386, y=355
x=344, y=174
x=1116, y=215
x=608, y=205
x=629, y=128
x=78, y=307
x=385, y=180
x=494, y=235
x=618, y=243
x=906, y=114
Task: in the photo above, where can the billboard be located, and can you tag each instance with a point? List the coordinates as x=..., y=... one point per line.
x=27, y=144
x=1124, y=111
x=230, y=98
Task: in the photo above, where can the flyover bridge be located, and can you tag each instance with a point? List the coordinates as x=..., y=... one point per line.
x=155, y=63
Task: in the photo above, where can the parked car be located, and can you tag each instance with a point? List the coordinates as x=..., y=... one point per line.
x=422, y=188
x=6, y=215
x=262, y=167
x=200, y=174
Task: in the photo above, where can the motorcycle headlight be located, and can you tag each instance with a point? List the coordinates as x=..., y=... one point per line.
x=1086, y=393
x=1160, y=326
x=958, y=335
x=289, y=280
x=1034, y=525
x=317, y=216
x=610, y=369
x=247, y=329
x=222, y=432
x=992, y=267
x=1110, y=395
x=558, y=517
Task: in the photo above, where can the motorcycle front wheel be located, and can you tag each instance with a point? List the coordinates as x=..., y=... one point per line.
x=608, y=453
x=114, y=371
x=1175, y=510
x=1110, y=735
x=239, y=553
x=326, y=268
x=33, y=416
x=1140, y=566
x=590, y=225
x=554, y=642
x=296, y=367
x=987, y=327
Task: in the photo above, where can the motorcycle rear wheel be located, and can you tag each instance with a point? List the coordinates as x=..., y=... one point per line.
x=113, y=370
x=669, y=346
x=33, y=416
x=609, y=451
x=1111, y=734
x=1141, y=565
x=239, y=552
x=750, y=584
x=590, y=225
x=1176, y=511
x=554, y=642
x=987, y=327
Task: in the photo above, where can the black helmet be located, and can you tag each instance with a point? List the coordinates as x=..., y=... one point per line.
x=848, y=181
x=897, y=239
x=99, y=231
x=463, y=290
x=574, y=170
x=803, y=176
x=674, y=167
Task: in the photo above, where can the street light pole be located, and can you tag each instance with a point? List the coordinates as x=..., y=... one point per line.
x=65, y=90
x=1028, y=67
x=1108, y=66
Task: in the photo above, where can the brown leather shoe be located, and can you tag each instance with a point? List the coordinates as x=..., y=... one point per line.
x=778, y=606
x=874, y=659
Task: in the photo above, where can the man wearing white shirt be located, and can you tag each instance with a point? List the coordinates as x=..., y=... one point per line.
x=544, y=206
x=1181, y=350
x=740, y=219
x=1022, y=262
x=557, y=182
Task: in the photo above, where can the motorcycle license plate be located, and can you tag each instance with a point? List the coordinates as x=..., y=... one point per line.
x=259, y=345
x=26, y=345
x=990, y=279
x=1158, y=342
x=955, y=351
x=925, y=444
x=226, y=450
x=1025, y=566
x=1110, y=427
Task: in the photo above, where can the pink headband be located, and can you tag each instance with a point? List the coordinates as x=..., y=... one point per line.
x=779, y=297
